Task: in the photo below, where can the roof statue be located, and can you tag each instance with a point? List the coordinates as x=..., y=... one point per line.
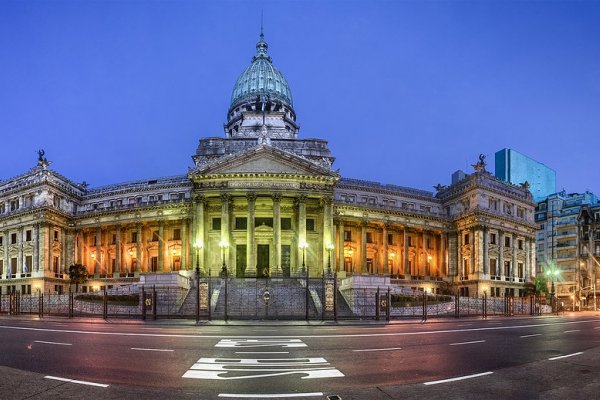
x=42, y=161
x=480, y=165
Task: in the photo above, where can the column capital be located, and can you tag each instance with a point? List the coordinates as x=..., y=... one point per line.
x=301, y=198
x=225, y=197
x=276, y=197
x=251, y=197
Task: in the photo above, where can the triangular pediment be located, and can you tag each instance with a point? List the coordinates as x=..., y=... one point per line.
x=264, y=160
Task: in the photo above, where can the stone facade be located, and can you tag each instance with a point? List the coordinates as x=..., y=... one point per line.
x=262, y=202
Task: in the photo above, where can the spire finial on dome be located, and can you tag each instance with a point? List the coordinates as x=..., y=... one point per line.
x=261, y=46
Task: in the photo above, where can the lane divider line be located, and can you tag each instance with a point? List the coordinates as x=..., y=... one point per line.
x=57, y=343
x=568, y=355
x=56, y=378
x=459, y=378
x=572, y=330
x=526, y=336
x=269, y=396
x=388, y=349
x=472, y=342
x=142, y=349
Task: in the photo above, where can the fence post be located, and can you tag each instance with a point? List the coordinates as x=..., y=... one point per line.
x=323, y=298
x=143, y=304
x=154, y=302
x=457, y=306
x=424, y=306
x=209, y=297
x=306, y=296
x=71, y=303
x=389, y=305
x=335, y=296
x=484, y=305
x=197, y=295
x=104, y=304
x=377, y=304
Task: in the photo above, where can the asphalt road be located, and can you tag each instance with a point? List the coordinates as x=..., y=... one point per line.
x=550, y=357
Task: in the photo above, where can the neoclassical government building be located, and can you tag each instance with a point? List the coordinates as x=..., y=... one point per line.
x=261, y=200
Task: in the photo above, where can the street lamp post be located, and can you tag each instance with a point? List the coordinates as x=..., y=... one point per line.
x=552, y=273
x=223, y=245
x=329, y=249
x=303, y=246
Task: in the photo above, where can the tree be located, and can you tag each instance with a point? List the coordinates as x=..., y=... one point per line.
x=537, y=286
x=77, y=275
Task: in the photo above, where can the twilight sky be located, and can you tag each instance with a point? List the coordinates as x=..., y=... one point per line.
x=405, y=92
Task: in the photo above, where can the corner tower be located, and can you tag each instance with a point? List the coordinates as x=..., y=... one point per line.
x=261, y=102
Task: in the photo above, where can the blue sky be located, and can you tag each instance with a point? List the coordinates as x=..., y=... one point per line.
x=405, y=92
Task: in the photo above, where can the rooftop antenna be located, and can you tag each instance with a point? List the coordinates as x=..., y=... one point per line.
x=261, y=24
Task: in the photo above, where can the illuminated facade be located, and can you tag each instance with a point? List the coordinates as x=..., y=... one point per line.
x=260, y=201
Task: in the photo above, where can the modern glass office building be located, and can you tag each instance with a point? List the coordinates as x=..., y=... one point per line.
x=516, y=168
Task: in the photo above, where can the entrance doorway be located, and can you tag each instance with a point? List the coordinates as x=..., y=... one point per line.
x=262, y=260
x=240, y=260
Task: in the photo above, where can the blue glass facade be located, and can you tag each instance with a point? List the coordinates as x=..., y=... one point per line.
x=516, y=168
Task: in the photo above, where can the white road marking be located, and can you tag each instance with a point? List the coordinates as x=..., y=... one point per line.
x=57, y=343
x=568, y=355
x=388, y=349
x=598, y=327
x=270, y=395
x=572, y=330
x=56, y=378
x=248, y=368
x=142, y=349
x=262, y=352
x=535, y=334
x=472, y=342
x=327, y=336
x=260, y=343
x=460, y=378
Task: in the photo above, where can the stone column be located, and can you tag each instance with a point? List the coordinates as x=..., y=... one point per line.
x=250, y=239
x=277, y=230
x=117, y=271
x=225, y=231
x=526, y=264
x=459, y=258
x=340, y=249
x=384, y=234
x=500, y=269
x=36, y=248
x=7, y=266
x=301, y=228
x=138, y=248
x=474, y=250
x=513, y=266
x=98, y=261
x=328, y=239
x=79, y=246
x=184, y=245
x=363, y=246
x=199, y=256
x=486, y=251
x=19, y=252
x=161, y=246
x=406, y=263
x=422, y=263
x=443, y=254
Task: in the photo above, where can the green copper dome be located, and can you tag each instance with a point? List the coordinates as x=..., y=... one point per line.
x=261, y=78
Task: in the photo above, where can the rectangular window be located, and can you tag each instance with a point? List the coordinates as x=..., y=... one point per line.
x=466, y=238
x=506, y=241
x=506, y=268
x=310, y=224
x=520, y=244
x=347, y=236
x=390, y=238
x=520, y=213
x=114, y=238
x=13, y=238
x=1, y=240
x=55, y=268
x=492, y=238
x=28, y=266
x=241, y=223
x=520, y=269
x=410, y=243
x=286, y=224
x=494, y=267
x=155, y=236
x=56, y=236
x=263, y=222
x=153, y=264
x=13, y=267
x=176, y=234
x=428, y=243
x=216, y=224
x=369, y=237
x=134, y=237
x=28, y=235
